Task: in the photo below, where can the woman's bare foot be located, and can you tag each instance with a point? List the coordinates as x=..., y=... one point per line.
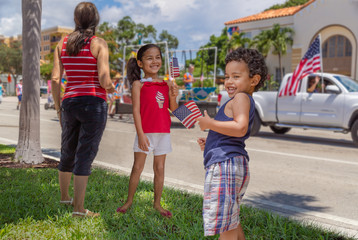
x=163, y=212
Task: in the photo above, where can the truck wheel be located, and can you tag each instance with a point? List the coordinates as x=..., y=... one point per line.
x=280, y=130
x=354, y=132
x=256, y=125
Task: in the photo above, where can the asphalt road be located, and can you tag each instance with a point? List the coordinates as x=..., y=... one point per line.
x=310, y=175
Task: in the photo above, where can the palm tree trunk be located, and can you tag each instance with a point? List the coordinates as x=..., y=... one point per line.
x=28, y=148
x=280, y=64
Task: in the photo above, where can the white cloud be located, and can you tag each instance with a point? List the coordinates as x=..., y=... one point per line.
x=58, y=12
x=9, y=26
x=111, y=14
x=199, y=37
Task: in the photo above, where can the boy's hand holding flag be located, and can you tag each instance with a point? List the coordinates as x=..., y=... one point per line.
x=204, y=121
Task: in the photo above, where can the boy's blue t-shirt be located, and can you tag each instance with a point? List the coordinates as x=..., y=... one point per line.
x=219, y=147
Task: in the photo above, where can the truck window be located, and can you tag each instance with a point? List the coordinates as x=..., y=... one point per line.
x=313, y=84
x=316, y=85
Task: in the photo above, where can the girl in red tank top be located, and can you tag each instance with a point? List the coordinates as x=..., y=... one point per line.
x=151, y=97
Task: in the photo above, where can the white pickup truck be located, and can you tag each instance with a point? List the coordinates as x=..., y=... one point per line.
x=332, y=106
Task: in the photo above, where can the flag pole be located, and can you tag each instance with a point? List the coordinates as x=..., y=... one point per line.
x=320, y=53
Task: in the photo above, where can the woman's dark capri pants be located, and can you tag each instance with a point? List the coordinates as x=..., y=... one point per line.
x=83, y=121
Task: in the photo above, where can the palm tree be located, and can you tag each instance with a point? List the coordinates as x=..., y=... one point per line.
x=238, y=40
x=28, y=148
x=262, y=43
x=276, y=39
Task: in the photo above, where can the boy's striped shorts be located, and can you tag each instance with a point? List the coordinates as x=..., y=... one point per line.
x=225, y=185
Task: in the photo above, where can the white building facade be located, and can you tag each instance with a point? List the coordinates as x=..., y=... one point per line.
x=335, y=20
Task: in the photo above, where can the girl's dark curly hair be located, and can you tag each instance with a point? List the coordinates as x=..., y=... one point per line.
x=254, y=60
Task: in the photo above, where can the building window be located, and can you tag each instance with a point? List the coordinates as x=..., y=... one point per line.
x=324, y=50
x=332, y=47
x=47, y=48
x=337, y=55
x=278, y=74
x=46, y=37
x=348, y=49
x=247, y=35
x=337, y=46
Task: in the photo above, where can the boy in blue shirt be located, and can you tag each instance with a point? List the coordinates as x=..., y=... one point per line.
x=225, y=158
x=189, y=77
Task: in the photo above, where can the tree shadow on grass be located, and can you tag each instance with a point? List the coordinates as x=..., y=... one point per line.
x=28, y=192
x=281, y=201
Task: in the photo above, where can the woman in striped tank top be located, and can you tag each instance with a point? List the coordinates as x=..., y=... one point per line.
x=83, y=112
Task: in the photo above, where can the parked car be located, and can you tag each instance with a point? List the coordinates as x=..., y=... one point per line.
x=333, y=108
x=43, y=90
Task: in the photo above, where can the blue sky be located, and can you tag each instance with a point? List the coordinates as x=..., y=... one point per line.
x=191, y=21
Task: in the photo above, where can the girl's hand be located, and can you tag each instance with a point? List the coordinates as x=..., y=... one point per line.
x=205, y=121
x=143, y=142
x=201, y=142
x=173, y=89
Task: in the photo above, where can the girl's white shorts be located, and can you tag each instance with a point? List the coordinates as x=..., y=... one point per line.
x=160, y=144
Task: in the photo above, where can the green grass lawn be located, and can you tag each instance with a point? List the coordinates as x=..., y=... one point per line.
x=30, y=209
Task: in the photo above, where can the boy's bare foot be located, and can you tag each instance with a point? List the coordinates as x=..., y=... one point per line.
x=124, y=208
x=163, y=212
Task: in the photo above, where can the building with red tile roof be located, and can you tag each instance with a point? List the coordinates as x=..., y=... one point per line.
x=334, y=20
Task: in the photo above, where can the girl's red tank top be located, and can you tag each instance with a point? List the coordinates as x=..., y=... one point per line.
x=154, y=104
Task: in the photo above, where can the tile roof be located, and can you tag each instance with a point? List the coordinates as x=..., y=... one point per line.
x=273, y=13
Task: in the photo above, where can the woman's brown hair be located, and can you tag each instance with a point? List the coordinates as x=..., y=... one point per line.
x=86, y=19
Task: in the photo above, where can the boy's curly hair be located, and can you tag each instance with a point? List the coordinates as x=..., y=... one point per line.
x=254, y=60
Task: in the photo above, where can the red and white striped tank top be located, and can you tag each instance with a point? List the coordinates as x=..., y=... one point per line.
x=82, y=74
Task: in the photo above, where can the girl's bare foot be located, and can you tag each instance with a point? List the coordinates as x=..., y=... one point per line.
x=163, y=212
x=124, y=208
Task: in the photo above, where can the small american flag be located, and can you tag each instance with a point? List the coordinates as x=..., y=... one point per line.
x=310, y=63
x=174, y=67
x=187, y=113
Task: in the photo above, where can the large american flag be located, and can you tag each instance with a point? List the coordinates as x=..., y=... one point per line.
x=187, y=113
x=310, y=63
x=174, y=68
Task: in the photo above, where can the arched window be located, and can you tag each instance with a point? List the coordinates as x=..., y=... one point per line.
x=337, y=55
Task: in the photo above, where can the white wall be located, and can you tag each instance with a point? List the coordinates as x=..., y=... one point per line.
x=328, y=17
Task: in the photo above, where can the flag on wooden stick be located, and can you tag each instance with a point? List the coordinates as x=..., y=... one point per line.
x=187, y=113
